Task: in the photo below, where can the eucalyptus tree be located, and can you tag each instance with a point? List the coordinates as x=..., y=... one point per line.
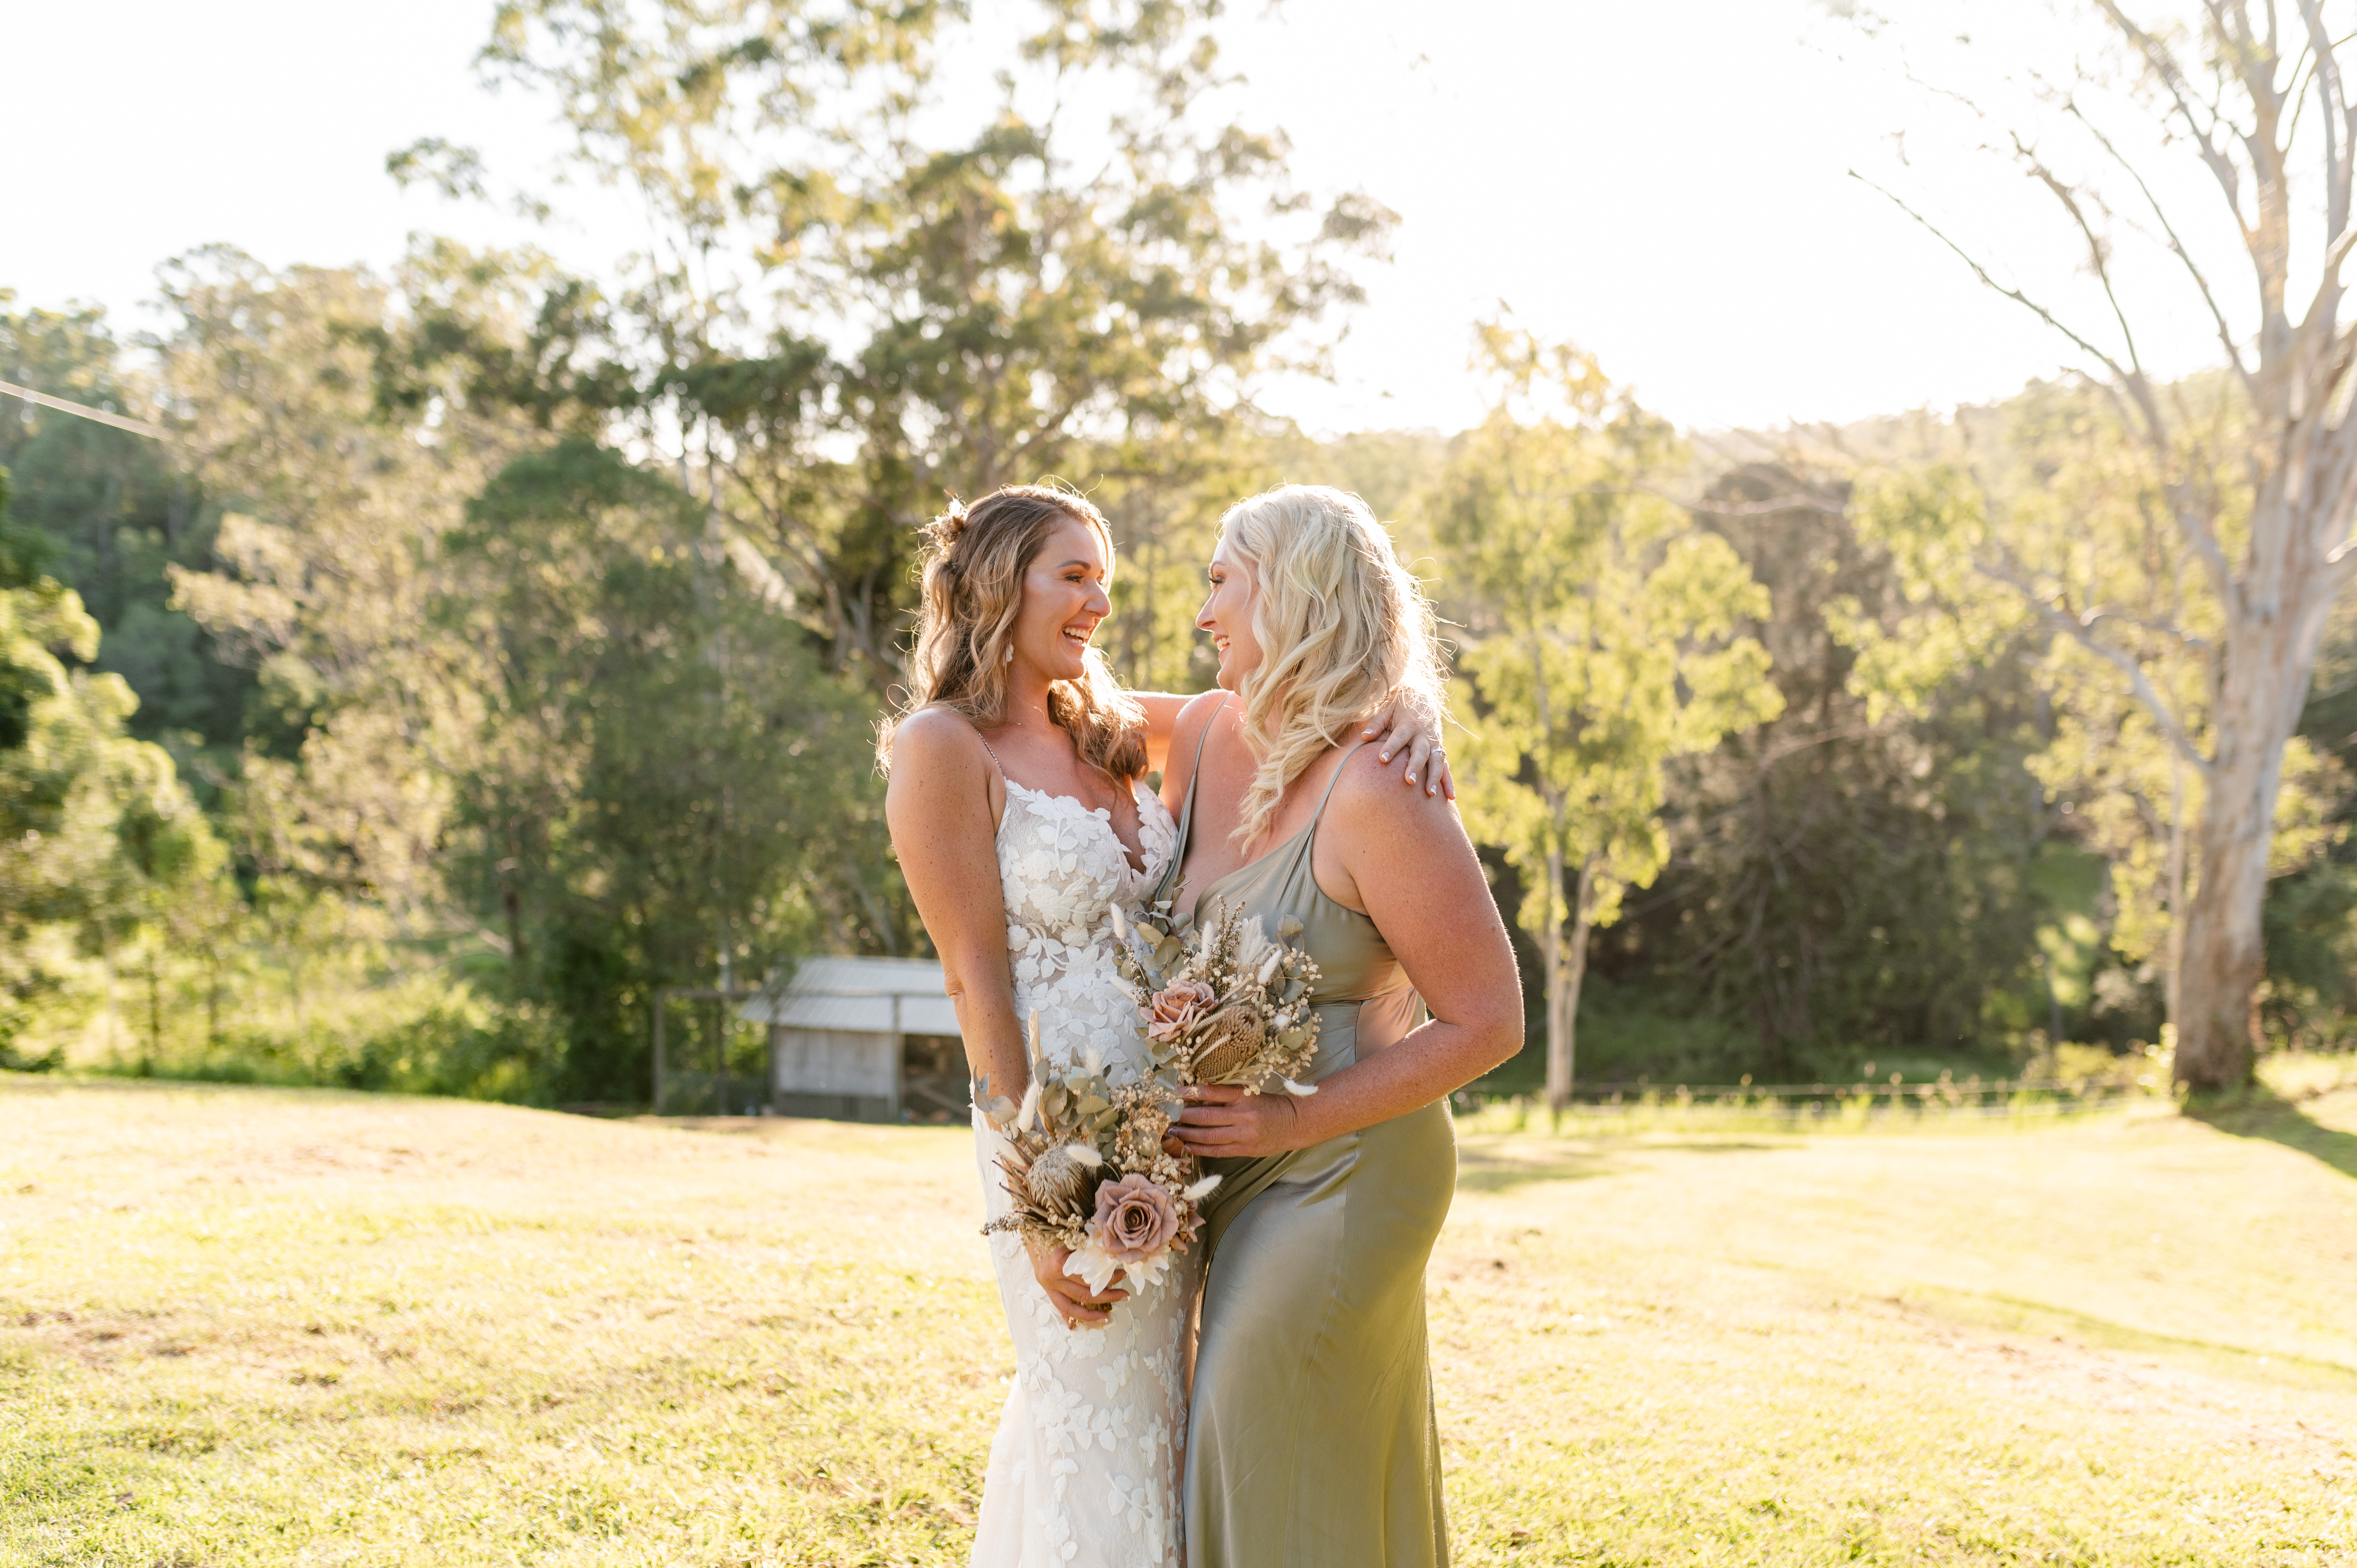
x=344, y=449
x=1603, y=644
x=865, y=301
x=2254, y=479
x=100, y=840
x=665, y=768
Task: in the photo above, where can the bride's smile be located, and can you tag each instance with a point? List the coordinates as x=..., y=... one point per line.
x=1063, y=602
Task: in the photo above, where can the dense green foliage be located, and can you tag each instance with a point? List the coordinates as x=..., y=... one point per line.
x=499, y=647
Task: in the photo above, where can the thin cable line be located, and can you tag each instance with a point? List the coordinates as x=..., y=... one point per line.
x=136, y=427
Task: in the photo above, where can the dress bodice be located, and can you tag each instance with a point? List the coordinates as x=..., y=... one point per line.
x=1355, y=963
x=1062, y=869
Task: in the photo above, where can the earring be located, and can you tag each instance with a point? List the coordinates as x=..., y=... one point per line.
x=1010, y=654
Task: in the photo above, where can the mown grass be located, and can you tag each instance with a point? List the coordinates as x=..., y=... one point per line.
x=268, y=1326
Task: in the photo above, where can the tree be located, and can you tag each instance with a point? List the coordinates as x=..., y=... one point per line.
x=2256, y=481
x=344, y=449
x=117, y=513
x=666, y=780
x=98, y=836
x=1602, y=647
x=853, y=314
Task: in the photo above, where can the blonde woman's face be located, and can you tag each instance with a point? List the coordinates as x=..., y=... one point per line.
x=1227, y=615
x=1063, y=601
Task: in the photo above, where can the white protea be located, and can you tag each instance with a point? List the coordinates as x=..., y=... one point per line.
x=1253, y=946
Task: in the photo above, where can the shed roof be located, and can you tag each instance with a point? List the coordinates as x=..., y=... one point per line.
x=858, y=995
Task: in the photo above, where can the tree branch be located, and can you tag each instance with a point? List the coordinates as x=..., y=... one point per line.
x=2124, y=384
x=2081, y=633
x=2164, y=66
x=2217, y=313
x=2099, y=261
x=1981, y=273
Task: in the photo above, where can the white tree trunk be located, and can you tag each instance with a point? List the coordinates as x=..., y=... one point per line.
x=1551, y=951
x=1566, y=967
x=2270, y=656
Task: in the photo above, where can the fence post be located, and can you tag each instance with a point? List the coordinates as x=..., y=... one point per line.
x=659, y=994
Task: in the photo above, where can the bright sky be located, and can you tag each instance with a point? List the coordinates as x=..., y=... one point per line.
x=1665, y=184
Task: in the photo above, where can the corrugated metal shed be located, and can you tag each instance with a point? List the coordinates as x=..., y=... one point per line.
x=862, y=1038
x=860, y=995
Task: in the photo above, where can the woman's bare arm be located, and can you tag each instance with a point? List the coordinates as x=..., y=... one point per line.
x=939, y=807
x=1406, y=724
x=1411, y=867
x=945, y=830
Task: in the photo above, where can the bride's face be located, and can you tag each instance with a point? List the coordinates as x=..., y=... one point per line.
x=1227, y=615
x=1063, y=601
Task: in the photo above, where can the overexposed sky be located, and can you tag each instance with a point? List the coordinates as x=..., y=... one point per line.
x=1664, y=182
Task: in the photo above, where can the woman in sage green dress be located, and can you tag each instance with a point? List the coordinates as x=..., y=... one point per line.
x=1312, y=1441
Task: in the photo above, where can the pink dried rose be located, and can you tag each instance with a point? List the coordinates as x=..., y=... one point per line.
x=1177, y=1008
x=1135, y=1219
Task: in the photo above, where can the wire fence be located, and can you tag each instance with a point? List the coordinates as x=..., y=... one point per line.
x=1805, y=1106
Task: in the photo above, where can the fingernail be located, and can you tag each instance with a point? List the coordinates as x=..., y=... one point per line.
x=1383, y=756
x=1411, y=778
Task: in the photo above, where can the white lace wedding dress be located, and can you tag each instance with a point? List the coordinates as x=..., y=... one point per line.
x=1084, y=1471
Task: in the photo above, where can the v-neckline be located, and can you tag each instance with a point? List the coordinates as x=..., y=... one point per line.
x=1179, y=857
x=1186, y=830
x=1103, y=814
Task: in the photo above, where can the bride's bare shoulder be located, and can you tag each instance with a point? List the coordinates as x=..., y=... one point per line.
x=934, y=741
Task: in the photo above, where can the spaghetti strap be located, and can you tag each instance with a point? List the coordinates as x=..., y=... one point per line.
x=1173, y=879
x=1330, y=783
x=1309, y=839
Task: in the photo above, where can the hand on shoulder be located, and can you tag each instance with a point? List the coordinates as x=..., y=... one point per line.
x=1369, y=797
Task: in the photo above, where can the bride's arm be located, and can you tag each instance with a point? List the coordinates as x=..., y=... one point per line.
x=944, y=832
x=939, y=807
x=1406, y=724
x=1412, y=868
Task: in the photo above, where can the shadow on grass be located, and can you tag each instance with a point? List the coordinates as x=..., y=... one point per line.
x=2012, y=1315
x=1492, y=1169
x=2260, y=1112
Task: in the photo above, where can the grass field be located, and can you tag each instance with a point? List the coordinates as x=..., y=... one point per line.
x=277, y=1326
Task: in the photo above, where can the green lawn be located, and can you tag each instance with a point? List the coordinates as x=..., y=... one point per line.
x=245, y=1325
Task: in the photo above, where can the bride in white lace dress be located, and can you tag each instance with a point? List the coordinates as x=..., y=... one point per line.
x=1020, y=817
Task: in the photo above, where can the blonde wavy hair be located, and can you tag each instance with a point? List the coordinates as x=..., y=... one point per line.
x=1342, y=629
x=974, y=565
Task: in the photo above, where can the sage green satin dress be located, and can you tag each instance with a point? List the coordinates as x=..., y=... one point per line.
x=1311, y=1441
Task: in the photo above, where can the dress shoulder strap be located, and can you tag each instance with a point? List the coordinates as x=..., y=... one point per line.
x=1309, y=833
x=1337, y=779
x=1168, y=886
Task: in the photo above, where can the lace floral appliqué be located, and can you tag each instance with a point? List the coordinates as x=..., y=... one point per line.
x=1084, y=1470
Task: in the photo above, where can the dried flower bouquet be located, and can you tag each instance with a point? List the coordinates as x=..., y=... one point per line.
x=1221, y=1002
x=1084, y=1167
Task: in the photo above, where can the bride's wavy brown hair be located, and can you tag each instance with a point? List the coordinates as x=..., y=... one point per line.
x=974, y=560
